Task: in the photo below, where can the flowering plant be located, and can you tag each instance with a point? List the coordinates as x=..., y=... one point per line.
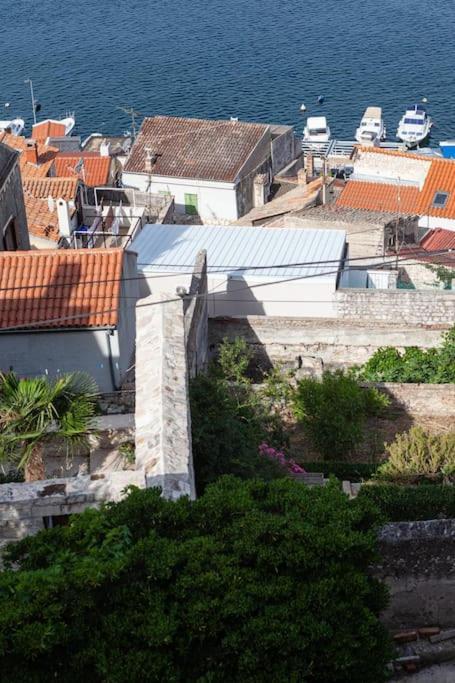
x=279, y=456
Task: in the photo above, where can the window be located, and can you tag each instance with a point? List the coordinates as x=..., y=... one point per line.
x=10, y=236
x=440, y=200
x=191, y=207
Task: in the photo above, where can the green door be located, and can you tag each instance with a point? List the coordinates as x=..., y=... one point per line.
x=191, y=204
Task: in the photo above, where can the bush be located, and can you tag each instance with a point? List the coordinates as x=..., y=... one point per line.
x=411, y=503
x=344, y=471
x=251, y=582
x=419, y=453
x=414, y=365
x=333, y=411
x=230, y=420
x=11, y=476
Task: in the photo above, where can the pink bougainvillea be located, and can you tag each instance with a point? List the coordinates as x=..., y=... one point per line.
x=274, y=454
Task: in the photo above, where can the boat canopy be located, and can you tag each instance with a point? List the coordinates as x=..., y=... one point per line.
x=373, y=113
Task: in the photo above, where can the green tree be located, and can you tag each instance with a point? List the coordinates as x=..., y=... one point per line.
x=37, y=410
x=333, y=411
x=254, y=582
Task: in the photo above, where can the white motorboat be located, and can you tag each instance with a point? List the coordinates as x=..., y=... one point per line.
x=372, y=128
x=414, y=126
x=14, y=126
x=316, y=130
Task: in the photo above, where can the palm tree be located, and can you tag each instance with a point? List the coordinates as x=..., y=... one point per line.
x=38, y=410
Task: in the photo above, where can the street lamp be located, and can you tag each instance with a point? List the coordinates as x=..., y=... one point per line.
x=29, y=81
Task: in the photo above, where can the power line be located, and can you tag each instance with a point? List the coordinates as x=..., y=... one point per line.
x=76, y=316
x=213, y=270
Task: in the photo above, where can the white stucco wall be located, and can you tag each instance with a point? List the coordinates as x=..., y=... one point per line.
x=240, y=297
x=393, y=167
x=217, y=202
x=430, y=222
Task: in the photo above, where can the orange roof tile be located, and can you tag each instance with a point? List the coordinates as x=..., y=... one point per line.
x=395, y=153
x=96, y=168
x=358, y=194
x=440, y=178
x=41, y=221
x=47, y=129
x=46, y=156
x=60, y=288
x=438, y=239
x=58, y=188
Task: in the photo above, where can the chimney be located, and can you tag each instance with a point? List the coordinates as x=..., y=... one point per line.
x=301, y=176
x=105, y=149
x=31, y=152
x=150, y=159
x=64, y=218
x=309, y=164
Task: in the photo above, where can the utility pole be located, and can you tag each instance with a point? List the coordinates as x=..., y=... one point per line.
x=132, y=113
x=29, y=81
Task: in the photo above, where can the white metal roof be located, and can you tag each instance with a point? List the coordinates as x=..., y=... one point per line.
x=242, y=251
x=316, y=121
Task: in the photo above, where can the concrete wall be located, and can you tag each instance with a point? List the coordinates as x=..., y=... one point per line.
x=163, y=422
x=196, y=318
x=284, y=147
x=414, y=307
x=53, y=353
x=315, y=344
x=12, y=198
x=417, y=564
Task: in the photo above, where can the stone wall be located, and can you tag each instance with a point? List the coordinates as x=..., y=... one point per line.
x=412, y=307
x=314, y=344
x=418, y=565
x=196, y=317
x=163, y=421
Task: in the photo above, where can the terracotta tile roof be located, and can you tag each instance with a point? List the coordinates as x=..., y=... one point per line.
x=195, y=148
x=440, y=178
x=80, y=285
x=46, y=129
x=438, y=239
x=46, y=156
x=96, y=171
x=368, y=196
x=41, y=221
x=395, y=153
x=58, y=188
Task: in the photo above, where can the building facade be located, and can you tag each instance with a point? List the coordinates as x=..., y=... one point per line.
x=13, y=219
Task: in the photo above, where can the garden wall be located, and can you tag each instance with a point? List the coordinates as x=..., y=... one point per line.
x=418, y=565
x=315, y=344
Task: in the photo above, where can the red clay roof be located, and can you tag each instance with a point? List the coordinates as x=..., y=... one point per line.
x=358, y=194
x=47, y=129
x=96, y=168
x=438, y=239
x=396, y=153
x=437, y=246
x=79, y=287
x=58, y=188
x=440, y=178
x=195, y=148
x=46, y=156
x=41, y=221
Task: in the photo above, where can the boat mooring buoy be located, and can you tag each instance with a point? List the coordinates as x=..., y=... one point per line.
x=320, y=99
x=302, y=107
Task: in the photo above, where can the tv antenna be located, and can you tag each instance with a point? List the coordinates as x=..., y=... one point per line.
x=132, y=113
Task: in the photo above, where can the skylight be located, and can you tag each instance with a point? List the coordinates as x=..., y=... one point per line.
x=440, y=199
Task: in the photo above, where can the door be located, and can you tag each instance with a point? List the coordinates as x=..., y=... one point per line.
x=191, y=207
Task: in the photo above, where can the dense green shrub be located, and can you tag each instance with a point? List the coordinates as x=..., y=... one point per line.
x=344, y=471
x=419, y=453
x=251, y=582
x=333, y=411
x=230, y=420
x=413, y=365
x=411, y=503
x=11, y=476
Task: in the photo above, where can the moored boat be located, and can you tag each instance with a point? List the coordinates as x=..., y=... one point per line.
x=414, y=126
x=447, y=148
x=372, y=128
x=14, y=126
x=316, y=130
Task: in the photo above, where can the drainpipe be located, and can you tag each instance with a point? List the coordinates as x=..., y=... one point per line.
x=113, y=371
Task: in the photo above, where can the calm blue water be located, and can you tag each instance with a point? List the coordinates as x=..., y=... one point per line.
x=256, y=59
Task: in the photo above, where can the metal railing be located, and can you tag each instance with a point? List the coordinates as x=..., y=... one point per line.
x=84, y=239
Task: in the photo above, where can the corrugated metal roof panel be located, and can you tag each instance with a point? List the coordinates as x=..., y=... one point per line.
x=242, y=251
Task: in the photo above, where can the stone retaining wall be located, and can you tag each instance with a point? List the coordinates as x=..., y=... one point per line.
x=315, y=344
x=418, y=565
